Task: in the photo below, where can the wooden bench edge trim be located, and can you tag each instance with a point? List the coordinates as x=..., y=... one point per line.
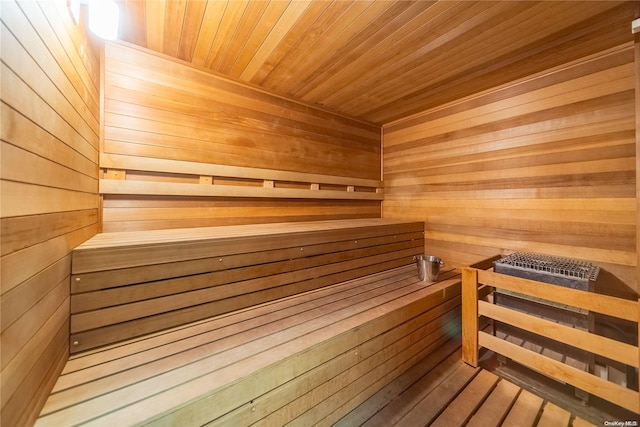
x=166, y=249
x=189, y=234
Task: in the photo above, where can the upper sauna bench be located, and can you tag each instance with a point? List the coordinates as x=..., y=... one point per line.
x=128, y=284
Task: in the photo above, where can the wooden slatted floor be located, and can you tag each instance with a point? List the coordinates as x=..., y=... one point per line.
x=441, y=390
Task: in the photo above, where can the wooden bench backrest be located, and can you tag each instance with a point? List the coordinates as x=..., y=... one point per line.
x=201, y=180
x=131, y=284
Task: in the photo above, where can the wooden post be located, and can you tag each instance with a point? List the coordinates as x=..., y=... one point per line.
x=470, y=316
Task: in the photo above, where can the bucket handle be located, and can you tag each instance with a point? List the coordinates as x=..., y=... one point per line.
x=417, y=258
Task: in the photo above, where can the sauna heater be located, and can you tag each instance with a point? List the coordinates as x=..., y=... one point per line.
x=554, y=270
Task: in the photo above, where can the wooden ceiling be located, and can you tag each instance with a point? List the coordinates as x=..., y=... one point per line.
x=376, y=60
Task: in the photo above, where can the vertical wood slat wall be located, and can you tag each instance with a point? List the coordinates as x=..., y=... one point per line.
x=159, y=107
x=545, y=164
x=49, y=179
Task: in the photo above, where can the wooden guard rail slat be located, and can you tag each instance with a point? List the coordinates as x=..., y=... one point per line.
x=267, y=181
x=475, y=283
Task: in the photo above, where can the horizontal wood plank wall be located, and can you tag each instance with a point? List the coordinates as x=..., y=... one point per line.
x=545, y=164
x=161, y=108
x=50, y=145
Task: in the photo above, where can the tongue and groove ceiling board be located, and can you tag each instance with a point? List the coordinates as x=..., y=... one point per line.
x=376, y=60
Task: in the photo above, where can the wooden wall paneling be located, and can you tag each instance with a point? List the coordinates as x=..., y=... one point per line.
x=50, y=172
x=227, y=31
x=25, y=231
x=316, y=30
x=538, y=20
x=129, y=28
x=42, y=143
x=147, y=213
x=21, y=299
x=17, y=266
x=49, y=183
x=174, y=17
x=544, y=164
x=224, y=138
x=159, y=109
x=224, y=104
x=407, y=29
x=307, y=21
x=367, y=59
x=38, y=111
x=251, y=14
x=51, y=352
x=154, y=24
x=23, y=63
x=23, y=329
x=213, y=14
x=81, y=65
x=288, y=19
x=598, y=32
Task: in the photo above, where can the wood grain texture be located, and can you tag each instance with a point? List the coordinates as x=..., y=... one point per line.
x=147, y=282
x=161, y=110
x=545, y=164
x=595, y=344
x=309, y=358
x=622, y=396
x=470, y=316
x=49, y=179
x=367, y=58
x=448, y=391
x=548, y=363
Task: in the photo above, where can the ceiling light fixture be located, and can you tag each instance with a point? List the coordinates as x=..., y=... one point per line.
x=74, y=7
x=104, y=17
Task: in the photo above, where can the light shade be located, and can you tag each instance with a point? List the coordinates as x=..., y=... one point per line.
x=74, y=7
x=104, y=16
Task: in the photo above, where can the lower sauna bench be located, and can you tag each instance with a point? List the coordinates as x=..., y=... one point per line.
x=305, y=359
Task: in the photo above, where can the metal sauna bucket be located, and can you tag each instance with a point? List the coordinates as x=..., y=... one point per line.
x=428, y=267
